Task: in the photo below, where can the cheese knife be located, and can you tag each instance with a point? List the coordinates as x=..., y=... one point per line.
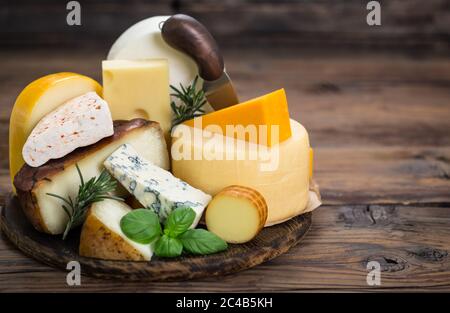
x=186, y=34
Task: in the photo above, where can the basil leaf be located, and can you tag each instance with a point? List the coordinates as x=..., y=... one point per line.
x=179, y=221
x=141, y=226
x=201, y=241
x=168, y=247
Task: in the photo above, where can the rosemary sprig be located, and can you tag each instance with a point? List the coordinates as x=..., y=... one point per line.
x=192, y=102
x=94, y=190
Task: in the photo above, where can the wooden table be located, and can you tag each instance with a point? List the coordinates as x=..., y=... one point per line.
x=380, y=125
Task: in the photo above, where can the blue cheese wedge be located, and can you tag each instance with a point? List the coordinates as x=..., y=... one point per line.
x=154, y=187
x=79, y=122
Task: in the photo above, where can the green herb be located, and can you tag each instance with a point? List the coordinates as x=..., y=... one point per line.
x=201, y=241
x=141, y=225
x=168, y=247
x=192, y=102
x=145, y=228
x=94, y=190
x=179, y=221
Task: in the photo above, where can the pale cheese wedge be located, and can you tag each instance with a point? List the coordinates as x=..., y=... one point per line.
x=79, y=122
x=102, y=238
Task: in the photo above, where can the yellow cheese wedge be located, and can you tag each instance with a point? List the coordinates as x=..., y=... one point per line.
x=37, y=99
x=280, y=174
x=138, y=89
x=311, y=162
x=264, y=113
x=236, y=214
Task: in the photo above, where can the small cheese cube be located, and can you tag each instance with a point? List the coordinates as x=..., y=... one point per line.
x=79, y=122
x=154, y=187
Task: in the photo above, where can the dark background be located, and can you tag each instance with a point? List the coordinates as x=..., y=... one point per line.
x=413, y=26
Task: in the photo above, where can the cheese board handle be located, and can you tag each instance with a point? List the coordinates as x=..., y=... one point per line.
x=186, y=34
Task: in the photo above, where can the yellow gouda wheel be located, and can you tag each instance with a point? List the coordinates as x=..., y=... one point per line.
x=38, y=99
x=280, y=174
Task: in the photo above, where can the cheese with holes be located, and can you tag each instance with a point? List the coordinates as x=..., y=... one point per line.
x=154, y=187
x=263, y=120
x=143, y=41
x=79, y=122
x=280, y=173
x=39, y=98
x=138, y=89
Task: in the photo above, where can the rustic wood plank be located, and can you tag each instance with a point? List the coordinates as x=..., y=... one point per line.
x=380, y=126
x=378, y=175
x=383, y=175
x=406, y=24
x=354, y=101
x=270, y=243
x=313, y=23
x=411, y=244
x=370, y=100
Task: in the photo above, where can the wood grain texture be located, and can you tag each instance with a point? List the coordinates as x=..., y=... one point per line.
x=270, y=243
x=343, y=100
x=324, y=23
x=352, y=175
x=383, y=175
x=406, y=24
x=380, y=126
x=411, y=243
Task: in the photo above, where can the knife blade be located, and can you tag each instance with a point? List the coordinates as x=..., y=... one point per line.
x=220, y=93
x=187, y=35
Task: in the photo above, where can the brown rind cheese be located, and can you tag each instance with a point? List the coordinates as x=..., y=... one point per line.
x=29, y=179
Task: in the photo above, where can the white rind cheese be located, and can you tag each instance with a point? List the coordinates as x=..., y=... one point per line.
x=154, y=187
x=79, y=122
x=148, y=141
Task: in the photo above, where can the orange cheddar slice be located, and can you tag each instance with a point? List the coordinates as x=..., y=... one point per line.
x=263, y=120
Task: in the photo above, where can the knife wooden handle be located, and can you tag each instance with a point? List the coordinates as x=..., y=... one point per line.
x=188, y=35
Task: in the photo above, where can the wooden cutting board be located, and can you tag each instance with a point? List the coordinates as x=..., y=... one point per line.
x=52, y=250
